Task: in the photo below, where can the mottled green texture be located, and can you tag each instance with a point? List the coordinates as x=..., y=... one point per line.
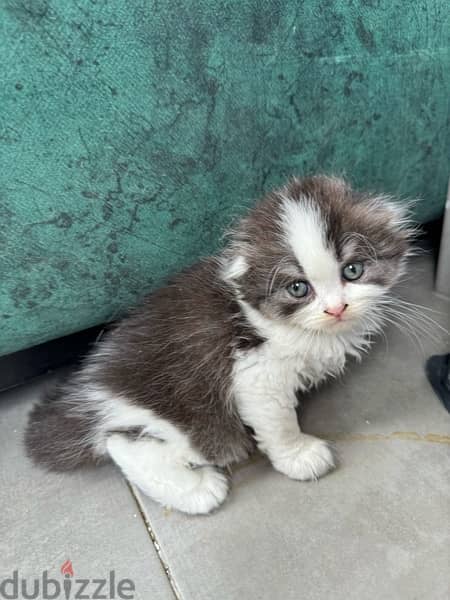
x=132, y=132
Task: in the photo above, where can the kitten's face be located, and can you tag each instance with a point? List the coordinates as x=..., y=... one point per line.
x=318, y=256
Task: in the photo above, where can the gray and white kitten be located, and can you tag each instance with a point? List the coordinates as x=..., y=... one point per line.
x=211, y=364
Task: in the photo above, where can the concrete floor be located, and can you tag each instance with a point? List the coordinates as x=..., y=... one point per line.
x=378, y=527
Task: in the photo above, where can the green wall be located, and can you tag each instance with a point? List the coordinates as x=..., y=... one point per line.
x=131, y=132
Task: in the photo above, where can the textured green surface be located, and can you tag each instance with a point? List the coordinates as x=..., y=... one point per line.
x=132, y=132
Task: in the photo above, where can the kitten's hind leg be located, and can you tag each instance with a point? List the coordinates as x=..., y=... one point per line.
x=161, y=472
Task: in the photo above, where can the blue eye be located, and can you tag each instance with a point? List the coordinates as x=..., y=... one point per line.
x=298, y=289
x=353, y=271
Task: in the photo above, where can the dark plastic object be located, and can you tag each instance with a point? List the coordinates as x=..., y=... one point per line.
x=22, y=367
x=438, y=373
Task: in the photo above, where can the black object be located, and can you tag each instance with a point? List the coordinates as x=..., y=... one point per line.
x=438, y=373
x=25, y=365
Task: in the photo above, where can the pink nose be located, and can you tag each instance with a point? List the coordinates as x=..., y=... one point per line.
x=336, y=311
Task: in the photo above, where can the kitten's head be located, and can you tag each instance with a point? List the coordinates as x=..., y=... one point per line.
x=318, y=255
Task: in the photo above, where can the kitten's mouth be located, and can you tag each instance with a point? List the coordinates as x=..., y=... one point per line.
x=339, y=324
x=335, y=326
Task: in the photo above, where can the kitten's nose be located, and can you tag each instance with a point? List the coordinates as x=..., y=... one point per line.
x=336, y=311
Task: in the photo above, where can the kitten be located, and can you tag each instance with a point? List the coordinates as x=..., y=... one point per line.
x=209, y=366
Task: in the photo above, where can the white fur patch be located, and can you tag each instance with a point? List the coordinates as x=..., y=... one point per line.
x=161, y=471
x=305, y=233
x=234, y=268
x=298, y=358
x=264, y=384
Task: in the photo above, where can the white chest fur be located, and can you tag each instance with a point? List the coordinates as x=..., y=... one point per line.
x=291, y=360
x=275, y=369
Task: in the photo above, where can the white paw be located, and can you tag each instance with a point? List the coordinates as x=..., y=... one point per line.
x=310, y=458
x=209, y=493
x=155, y=467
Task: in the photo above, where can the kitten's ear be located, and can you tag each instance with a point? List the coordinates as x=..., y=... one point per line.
x=398, y=213
x=234, y=266
x=234, y=259
x=315, y=186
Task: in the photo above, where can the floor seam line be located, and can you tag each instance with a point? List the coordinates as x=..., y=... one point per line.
x=406, y=436
x=155, y=543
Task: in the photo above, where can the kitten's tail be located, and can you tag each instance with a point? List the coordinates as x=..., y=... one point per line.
x=58, y=437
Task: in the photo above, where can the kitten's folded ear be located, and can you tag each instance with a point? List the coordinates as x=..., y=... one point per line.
x=234, y=258
x=233, y=266
x=316, y=186
x=398, y=213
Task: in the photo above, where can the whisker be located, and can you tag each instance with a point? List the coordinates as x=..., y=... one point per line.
x=418, y=306
x=413, y=310
x=413, y=320
x=410, y=333
x=426, y=320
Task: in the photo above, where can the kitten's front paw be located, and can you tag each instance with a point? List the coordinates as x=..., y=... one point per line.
x=310, y=458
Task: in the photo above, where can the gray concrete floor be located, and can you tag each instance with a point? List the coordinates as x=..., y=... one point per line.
x=378, y=527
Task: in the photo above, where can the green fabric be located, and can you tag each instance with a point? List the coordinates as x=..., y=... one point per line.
x=131, y=132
